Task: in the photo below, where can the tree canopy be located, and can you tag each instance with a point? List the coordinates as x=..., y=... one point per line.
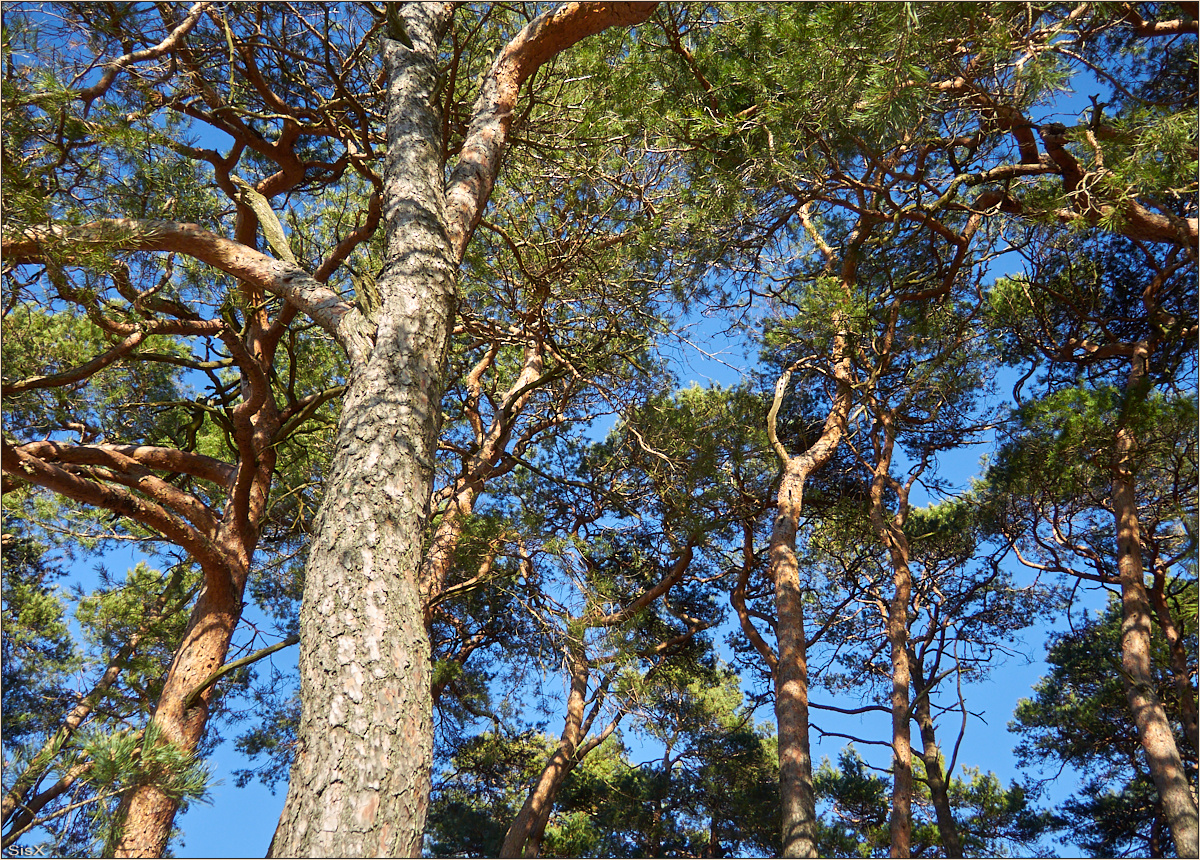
x=368, y=330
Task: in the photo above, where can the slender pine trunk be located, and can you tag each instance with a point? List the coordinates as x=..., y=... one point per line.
x=525, y=834
x=797, y=800
x=1149, y=715
x=889, y=532
x=147, y=813
x=939, y=788
x=798, y=805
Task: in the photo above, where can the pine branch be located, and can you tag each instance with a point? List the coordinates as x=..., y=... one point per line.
x=194, y=696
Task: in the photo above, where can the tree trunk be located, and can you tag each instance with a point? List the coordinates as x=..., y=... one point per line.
x=798, y=803
x=902, y=779
x=797, y=800
x=889, y=532
x=1180, y=672
x=1154, y=729
x=524, y=836
x=147, y=813
x=939, y=792
x=361, y=779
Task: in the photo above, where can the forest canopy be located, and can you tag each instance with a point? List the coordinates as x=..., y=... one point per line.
x=601, y=429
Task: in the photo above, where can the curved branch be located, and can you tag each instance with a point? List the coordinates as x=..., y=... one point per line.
x=470, y=184
x=190, y=700
x=90, y=94
x=649, y=595
x=151, y=456
x=23, y=466
x=117, y=352
x=336, y=316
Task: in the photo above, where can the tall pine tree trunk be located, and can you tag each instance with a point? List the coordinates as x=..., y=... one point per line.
x=360, y=782
x=939, y=788
x=797, y=800
x=147, y=813
x=1153, y=727
x=902, y=777
x=361, y=779
x=798, y=803
x=525, y=834
x=890, y=534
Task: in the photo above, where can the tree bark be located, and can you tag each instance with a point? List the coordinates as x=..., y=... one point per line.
x=361, y=779
x=1154, y=729
x=939, y=787
x=797, y=800
x=889, y=532
x=147, y=812
x=360, y=783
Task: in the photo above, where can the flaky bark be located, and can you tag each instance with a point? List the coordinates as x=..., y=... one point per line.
x=1149, y=715
x=360, y=783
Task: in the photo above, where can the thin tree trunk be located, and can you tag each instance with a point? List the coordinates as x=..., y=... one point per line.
x=1154, y=729
x=902, y=778
x=524, y=836
x=796, y=795
x=1180, y=673
x=798, y=803
x=889, y=532
x=939, y=792
x=797, y=800
x=147, y=812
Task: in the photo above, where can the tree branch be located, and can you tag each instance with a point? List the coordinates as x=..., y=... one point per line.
x=470, y=184
x=337, y=317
